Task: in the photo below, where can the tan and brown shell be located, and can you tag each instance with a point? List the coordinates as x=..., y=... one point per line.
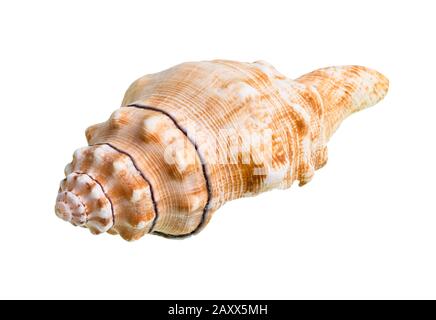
x=188, y=139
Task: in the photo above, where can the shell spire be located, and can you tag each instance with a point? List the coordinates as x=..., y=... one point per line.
x=191, y=138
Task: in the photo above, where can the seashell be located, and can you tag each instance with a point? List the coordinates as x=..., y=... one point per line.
x=193, y=137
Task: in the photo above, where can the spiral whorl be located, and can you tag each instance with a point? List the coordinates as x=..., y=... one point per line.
x=104, y=191
x=82, y=202
x=70, y=208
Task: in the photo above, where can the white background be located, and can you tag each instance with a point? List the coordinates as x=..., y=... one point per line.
x=365, y=227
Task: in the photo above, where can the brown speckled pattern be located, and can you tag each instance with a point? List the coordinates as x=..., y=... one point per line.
x=219, y=101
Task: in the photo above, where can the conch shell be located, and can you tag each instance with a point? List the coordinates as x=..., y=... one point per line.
x=188, y=139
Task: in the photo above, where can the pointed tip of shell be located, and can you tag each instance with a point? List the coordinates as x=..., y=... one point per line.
x=70, y=208
x=96, y=177
x=82, y=202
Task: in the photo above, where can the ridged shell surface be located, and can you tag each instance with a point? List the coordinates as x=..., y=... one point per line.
x=188, y=139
